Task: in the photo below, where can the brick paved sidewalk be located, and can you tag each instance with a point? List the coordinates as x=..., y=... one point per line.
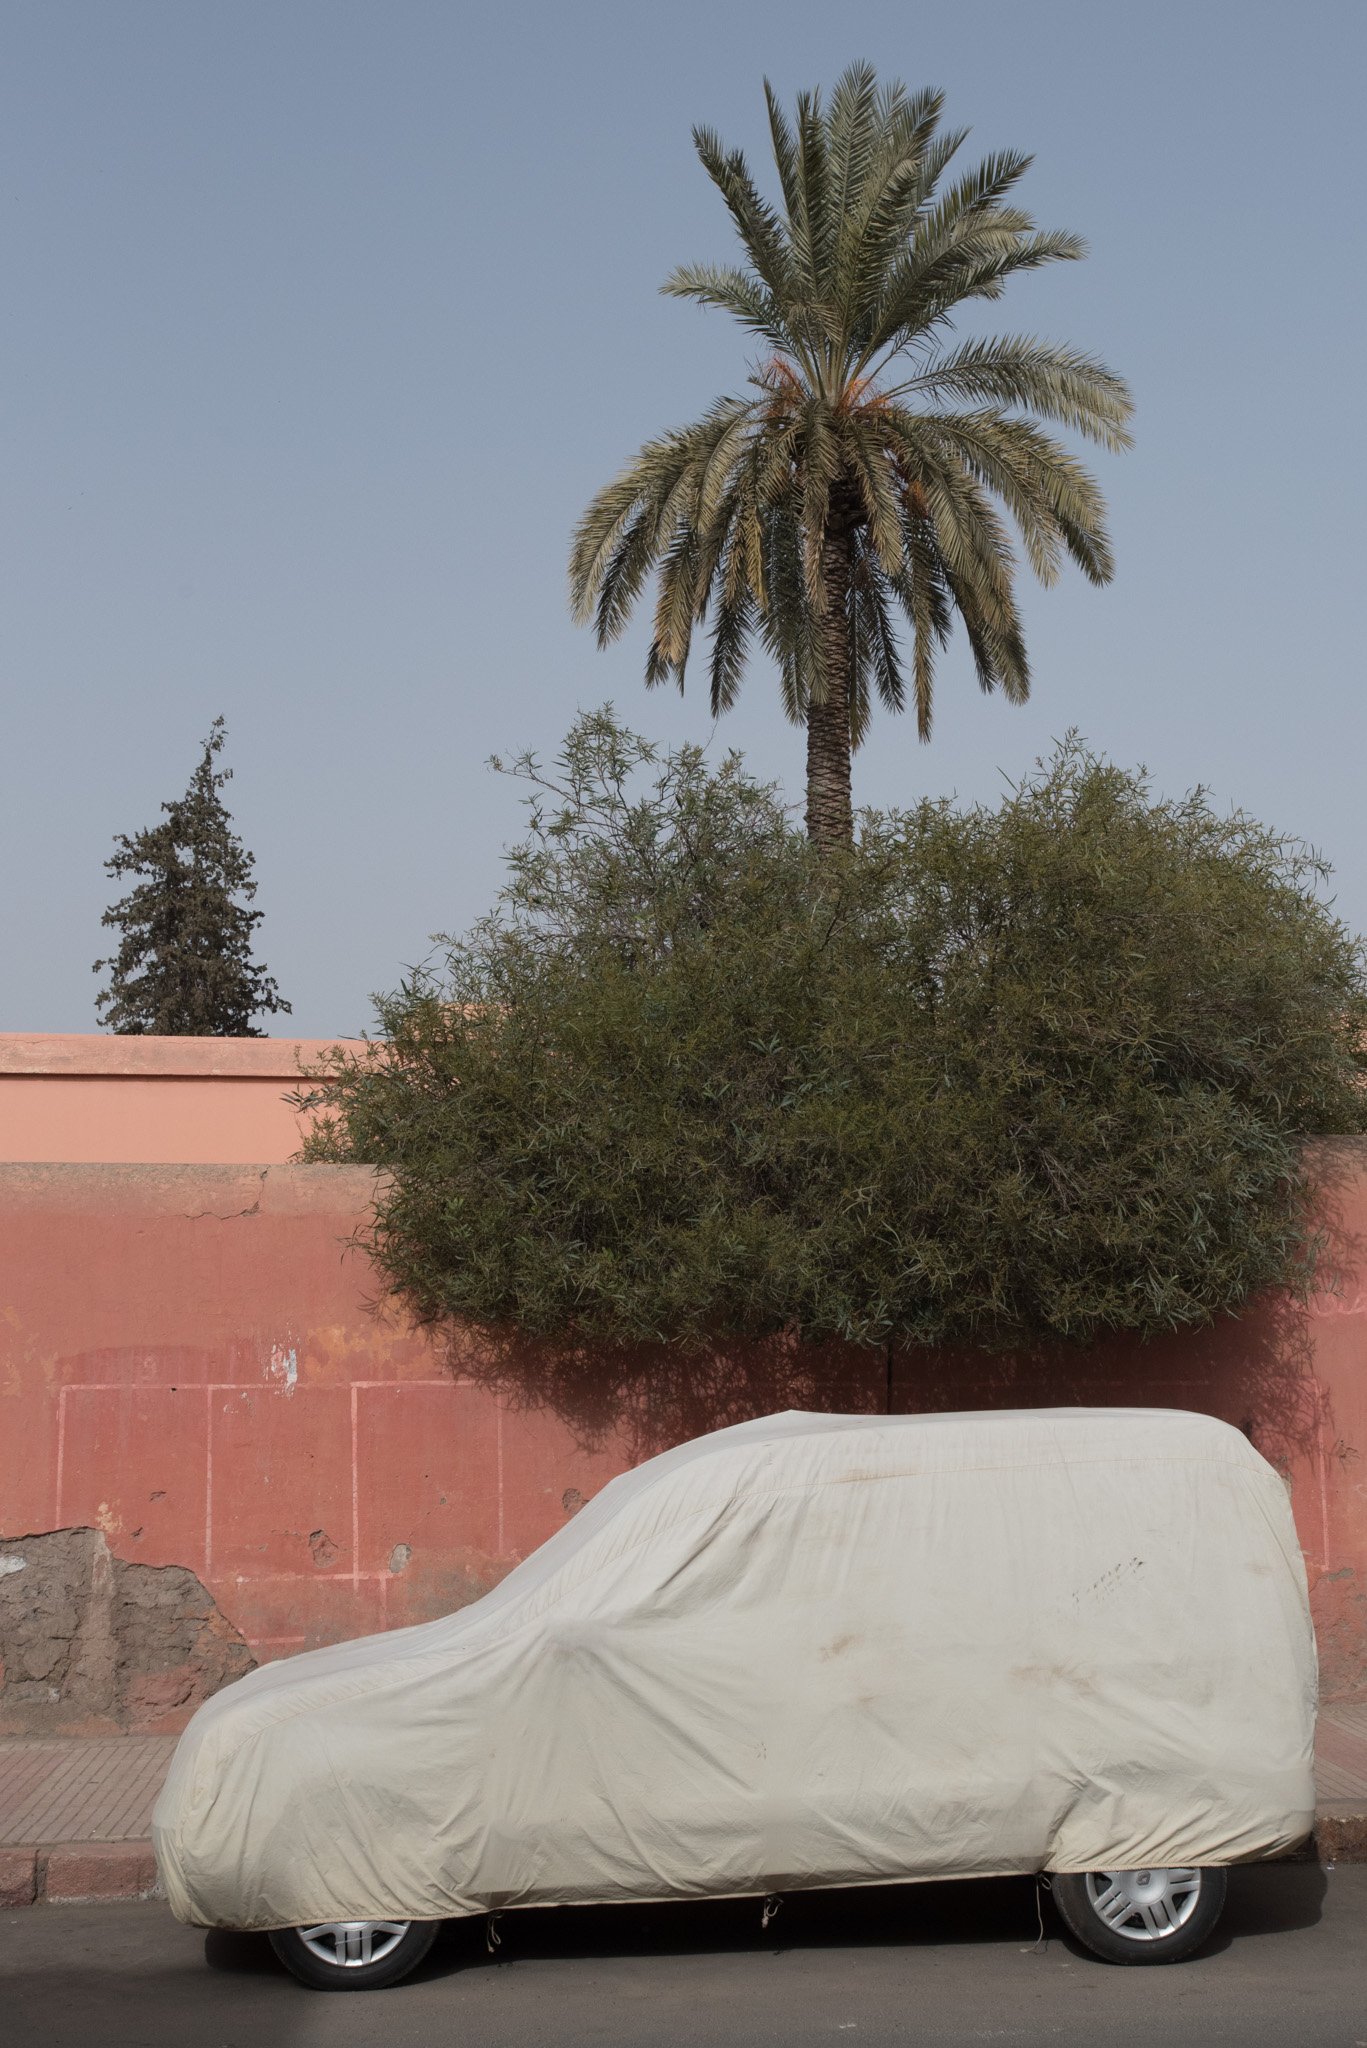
x=75, y=1817
x=61, y=1791
x=1341, y=1782
x=1341, y=1755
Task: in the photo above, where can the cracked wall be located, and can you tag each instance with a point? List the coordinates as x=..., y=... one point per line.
x=92, y=1645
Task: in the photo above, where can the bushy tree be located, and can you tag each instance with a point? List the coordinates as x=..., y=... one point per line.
x=184, y=960
x=990, y=1076
x=865, y=485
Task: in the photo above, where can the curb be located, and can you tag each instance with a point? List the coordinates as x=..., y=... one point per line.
x=88, y=1873
x=1341, y=1832
x=77, y=1873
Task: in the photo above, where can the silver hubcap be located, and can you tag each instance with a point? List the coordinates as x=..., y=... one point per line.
x=348, y=1944
x=1143, y=1905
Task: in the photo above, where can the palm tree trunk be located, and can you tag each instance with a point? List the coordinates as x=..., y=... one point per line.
x=830, y=813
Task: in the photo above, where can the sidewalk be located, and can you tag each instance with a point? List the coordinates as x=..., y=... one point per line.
x=75, y=1817
x=1341, y=1782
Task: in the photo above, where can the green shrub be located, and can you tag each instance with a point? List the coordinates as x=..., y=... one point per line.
x=992, y=1076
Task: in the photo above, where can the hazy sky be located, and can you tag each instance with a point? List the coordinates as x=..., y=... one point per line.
x=321, y=322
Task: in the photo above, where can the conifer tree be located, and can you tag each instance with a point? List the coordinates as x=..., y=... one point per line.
x=184, y=962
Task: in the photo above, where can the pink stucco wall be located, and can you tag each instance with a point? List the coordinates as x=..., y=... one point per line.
x=190, y=1362
x=86, y=1096
x=193, y=1361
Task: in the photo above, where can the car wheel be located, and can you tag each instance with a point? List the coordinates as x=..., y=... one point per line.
x=354, y=1955
x=1141, y=1916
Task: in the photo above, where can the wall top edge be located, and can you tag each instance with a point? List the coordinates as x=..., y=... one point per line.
x=111, y=1056
x=197, y=1192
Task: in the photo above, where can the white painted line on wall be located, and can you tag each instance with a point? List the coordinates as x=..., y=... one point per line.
x=251, y=1386
x=286, y=1576
x=61, y=1457
x=208, y=1481
x=213, y=1387
x=355, y=1493
x=498, y=1459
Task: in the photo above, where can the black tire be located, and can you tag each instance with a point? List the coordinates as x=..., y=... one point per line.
x=299, y=1950
x=1092, y=1905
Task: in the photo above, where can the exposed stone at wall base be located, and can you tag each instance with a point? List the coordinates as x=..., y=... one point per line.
x=91, y=1645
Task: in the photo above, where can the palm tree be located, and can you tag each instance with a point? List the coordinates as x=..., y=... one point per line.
x=840, y=491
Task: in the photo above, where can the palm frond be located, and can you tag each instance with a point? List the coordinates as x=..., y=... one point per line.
x=623, y=531
x=970, y=538
x=924, y=594
x=815, y=214
x=1043, y=377
x=714, y=473
x=855, y=125
x=762, y=233
x=875, y=589
x=972, y=202
x=786, y=623
x=878, y=226
x=1052, y=498
x=676, y=603
x=736, y=292
x=599, y=533
x=784, y=146
x=921, y=292
x=867, y=457
x=623, y=517
x=820, y=468
x=744, y=566
x=624, y=576
x=735, y=621
x=859, y=658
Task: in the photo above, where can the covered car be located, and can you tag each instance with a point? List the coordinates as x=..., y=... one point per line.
x=811, y=1650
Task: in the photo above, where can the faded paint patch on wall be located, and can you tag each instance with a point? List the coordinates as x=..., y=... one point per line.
x=92, y=1645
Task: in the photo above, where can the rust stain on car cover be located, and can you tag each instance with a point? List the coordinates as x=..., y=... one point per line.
x=1052, y=1676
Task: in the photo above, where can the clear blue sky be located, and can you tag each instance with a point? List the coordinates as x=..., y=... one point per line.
x=322, y=321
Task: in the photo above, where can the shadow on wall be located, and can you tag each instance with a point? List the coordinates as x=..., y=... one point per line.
x=1255, y=1370
x=646, y=1398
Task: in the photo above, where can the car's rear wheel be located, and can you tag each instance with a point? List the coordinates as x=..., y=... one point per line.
x=354, y=1955
x=1141, y=1916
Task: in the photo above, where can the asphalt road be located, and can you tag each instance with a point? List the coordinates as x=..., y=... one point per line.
x=925, y=1964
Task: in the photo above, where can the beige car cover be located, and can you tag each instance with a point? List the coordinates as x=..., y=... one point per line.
x=809, y=1650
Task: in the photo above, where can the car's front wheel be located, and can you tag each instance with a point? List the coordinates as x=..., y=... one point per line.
x=1141, y=1916
x=354, y=1955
